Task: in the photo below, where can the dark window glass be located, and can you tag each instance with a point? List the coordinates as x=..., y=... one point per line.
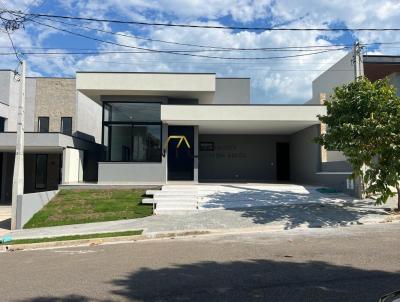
x=66, y=125
x=132, y=112
x=139, y=143
x=43, y=124
x=41, y=171
x=121, y=142
x=2, y=124
x=146, y=143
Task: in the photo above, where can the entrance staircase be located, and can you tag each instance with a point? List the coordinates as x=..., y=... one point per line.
x=173, y=199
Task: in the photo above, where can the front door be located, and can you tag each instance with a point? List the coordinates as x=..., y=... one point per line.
x=180, y=158
x=282, y=162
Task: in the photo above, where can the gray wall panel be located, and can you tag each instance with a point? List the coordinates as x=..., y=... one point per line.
x=239, y=157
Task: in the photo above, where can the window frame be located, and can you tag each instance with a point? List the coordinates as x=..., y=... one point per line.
x=39, y=123
x=45, y=171
x=62, y=123
x=132, y=124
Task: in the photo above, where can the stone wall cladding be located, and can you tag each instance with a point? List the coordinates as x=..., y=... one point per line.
x=55, y=98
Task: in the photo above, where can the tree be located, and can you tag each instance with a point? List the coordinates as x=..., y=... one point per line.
x=363, y=122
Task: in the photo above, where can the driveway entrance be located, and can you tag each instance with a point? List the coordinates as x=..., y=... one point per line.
x=5, y=219
x=225, y=196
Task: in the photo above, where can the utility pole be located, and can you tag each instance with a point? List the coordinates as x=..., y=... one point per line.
x=358, y=63
x=358, y=60
x=18, y=177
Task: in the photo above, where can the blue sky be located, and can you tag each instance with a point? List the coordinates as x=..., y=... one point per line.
x=273, y=81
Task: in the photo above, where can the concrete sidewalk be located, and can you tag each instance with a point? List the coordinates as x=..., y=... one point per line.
x=5, y=219
x=268, y=217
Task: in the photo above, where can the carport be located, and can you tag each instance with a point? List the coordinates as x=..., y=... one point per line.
x=257, y=143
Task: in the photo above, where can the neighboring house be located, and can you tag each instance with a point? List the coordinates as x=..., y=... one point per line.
x=62, y=135
x=374, y=67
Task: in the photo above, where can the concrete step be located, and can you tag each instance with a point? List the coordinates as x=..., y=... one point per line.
x=174, y=212
x=152, y=192
x=179, y=188
x=176, y=207
x=172, y=193
x=175, y=198
x=148, y=201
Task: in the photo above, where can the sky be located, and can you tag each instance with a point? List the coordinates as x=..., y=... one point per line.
x=276, y=81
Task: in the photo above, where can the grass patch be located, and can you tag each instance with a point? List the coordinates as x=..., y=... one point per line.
x=74, y=237
x=84, y=206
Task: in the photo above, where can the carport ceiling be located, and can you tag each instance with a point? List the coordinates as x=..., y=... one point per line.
x=252, y=127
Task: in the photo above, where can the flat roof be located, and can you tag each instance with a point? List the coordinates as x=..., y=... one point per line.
x=145, y=72
x=244, y=119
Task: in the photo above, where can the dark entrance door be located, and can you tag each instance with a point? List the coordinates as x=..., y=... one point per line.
x=282, y=162
x=180, y=160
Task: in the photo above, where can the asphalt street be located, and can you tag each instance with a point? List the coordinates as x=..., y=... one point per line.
x=358, y=263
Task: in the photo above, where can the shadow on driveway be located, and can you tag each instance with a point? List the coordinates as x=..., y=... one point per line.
x=304, y=208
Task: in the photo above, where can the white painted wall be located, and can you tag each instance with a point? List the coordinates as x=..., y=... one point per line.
x=72, y=169
x=88, y=118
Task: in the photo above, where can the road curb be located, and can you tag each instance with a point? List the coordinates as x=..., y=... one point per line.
x=165, y=235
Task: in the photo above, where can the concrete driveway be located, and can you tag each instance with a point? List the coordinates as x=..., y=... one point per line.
x=229, y=196
x=5, y=219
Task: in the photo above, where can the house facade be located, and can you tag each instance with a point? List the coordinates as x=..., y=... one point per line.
x=227, y=139
x=113, y=128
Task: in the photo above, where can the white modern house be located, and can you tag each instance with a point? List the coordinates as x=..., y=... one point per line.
x=228, y=138
x=147, y=129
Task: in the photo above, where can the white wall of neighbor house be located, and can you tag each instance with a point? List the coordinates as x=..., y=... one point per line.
x=72, y=168
x=11, y=124
x=89, y=118
x=30, y=104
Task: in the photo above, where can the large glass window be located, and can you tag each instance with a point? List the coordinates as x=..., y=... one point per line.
x=132, y=112
x=132, y=132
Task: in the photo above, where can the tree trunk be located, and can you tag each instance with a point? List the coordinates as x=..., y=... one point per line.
x=398, y=197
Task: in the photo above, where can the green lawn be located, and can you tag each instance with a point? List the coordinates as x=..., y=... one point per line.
x=83, y=206
x=75, y=237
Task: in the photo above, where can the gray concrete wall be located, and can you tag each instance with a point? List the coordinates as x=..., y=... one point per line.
x=340, y=73
x=5, y=78
x=239, y=157
x=30, y=204
x=229, y=91
x=130, y=172
x=306, y=166
x=394, y=79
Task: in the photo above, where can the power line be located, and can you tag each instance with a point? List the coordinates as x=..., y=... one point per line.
x=179, y=53
x=286, y=48
x=205, y=26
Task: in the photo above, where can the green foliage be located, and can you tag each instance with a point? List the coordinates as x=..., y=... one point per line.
x=363, y=121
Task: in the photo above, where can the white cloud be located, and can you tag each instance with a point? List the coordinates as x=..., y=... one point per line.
x=287, y=80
